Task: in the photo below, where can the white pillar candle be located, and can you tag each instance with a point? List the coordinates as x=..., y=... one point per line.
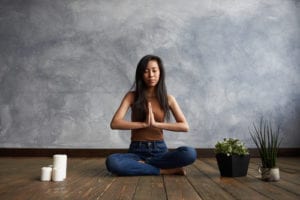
x=46, y=173
x=60, y=164
x=57, y=174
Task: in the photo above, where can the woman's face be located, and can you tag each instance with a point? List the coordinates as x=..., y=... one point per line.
x=151, y=74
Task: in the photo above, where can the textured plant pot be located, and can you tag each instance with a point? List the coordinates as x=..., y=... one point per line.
x=270, y=174
x=233, y=166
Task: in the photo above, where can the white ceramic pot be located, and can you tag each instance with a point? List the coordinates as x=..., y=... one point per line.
x=269, y=174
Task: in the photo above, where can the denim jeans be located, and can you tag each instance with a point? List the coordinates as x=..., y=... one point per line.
x=155, y=155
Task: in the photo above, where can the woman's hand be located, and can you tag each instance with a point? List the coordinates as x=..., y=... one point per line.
x=150, y=118
x=180, y=125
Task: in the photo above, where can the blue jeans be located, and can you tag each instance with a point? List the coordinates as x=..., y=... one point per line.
x=155, y=155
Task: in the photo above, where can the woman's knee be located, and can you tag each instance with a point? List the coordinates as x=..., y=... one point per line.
x=113, y=164
x=188, y=154
x=108, y=162
x=121, y=164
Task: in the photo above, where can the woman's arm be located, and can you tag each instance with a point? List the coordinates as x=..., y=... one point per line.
x=180, y=124
x=118, y=121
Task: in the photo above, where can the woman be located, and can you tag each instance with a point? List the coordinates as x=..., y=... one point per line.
x=150, y=106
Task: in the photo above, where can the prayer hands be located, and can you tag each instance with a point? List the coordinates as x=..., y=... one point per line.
x=150, y=118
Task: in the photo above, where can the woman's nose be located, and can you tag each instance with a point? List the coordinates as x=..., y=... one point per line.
x=150, y=73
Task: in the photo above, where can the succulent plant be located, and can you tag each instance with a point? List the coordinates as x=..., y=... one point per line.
x=231, y=146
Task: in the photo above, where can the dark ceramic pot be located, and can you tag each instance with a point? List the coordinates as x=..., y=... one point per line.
x=234, y=165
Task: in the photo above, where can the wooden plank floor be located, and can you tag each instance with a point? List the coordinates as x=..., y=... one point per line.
x=87, y=178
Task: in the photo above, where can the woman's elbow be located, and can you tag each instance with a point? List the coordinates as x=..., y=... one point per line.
x=113, y=125
x=186, y=128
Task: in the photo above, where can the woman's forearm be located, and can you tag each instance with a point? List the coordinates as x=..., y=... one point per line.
x=178, y=126
x=127, y=125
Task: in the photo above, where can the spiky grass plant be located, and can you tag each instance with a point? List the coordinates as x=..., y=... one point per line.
x=267, y=141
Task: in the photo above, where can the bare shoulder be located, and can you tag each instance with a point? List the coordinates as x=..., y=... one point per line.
x=129, y=97
x=130, y=94
x=171, y=100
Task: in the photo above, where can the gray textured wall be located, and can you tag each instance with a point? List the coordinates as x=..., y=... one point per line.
x=65, y=65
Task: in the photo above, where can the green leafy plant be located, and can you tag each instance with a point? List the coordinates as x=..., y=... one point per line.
x=231, y=146
x=267, y=141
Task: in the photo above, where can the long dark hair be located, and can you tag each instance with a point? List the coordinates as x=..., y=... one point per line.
x=139, y=106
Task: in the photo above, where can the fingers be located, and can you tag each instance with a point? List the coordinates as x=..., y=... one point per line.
x=150, y=107
x=148, y=120
x=151, y=115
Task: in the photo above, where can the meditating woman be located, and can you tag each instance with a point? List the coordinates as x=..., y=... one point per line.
x=151, y=108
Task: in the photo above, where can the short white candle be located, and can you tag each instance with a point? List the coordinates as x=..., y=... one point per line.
x=46, y=173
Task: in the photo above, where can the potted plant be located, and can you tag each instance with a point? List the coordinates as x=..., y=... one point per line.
x=232, y=157
x=267, y=141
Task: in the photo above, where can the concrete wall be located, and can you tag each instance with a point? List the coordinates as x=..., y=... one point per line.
x=65, y=65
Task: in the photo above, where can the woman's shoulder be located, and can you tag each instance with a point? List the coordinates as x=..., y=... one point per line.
x=171, y=99
x=129, y=96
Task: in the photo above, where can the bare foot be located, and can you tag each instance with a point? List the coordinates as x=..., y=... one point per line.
x=175, y=171
x=141, y=161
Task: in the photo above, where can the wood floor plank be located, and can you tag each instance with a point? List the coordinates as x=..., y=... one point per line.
x=149, y=188
x=231, y=185
x=122, y=188
x=92, y=182
x=9, y=170
x=205, y=186
x=178, y=188
x=292, y=162
x=23, y=177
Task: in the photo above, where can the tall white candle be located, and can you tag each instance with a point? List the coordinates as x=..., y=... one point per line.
x=60, y=164
x=46, y=173
x=57, y=174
